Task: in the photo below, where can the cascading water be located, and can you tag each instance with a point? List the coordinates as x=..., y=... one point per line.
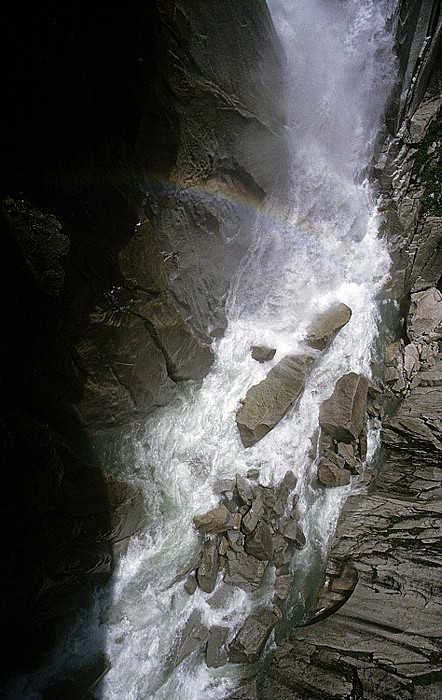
x=318, y=247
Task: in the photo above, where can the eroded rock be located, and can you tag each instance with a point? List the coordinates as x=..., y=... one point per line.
x=342, y=416
x=219, y=519
x=250, y=641
x=267, y=403
x=261, y=353
x=324, y=329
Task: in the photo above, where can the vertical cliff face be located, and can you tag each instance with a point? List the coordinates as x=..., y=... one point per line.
x=170, y=107
x=135, y=149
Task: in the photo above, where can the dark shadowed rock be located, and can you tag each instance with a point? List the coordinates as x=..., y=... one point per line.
x=267, y=402
x=343, y=415
x=323, y=330
x=252, y=637
x=260, y=542
x=261, y=353
x=219, y=519
x=208, y=569
x=81, y=682
x=340, y=580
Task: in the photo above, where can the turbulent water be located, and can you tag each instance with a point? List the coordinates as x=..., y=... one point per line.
x=317, y=248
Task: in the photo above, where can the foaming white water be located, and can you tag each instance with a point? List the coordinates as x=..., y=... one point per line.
x=318, y=248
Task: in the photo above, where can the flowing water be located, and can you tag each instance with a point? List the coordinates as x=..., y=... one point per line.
x=317, y=248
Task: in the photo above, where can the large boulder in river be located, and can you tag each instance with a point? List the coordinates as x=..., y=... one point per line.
x=267, y=402
x=343, y=415
x=325, y=327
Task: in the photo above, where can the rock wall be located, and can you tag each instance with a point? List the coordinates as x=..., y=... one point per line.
x=130, y=178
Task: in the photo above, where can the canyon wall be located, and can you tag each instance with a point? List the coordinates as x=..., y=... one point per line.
x=136, y=144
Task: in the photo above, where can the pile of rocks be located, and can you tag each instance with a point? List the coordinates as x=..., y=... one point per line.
x=253, y=527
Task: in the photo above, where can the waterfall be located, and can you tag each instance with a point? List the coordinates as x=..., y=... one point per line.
x=316, y=247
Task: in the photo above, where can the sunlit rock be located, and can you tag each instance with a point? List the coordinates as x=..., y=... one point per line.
x=342, y=416
x=267, y=402
x=218, y=519
x=326, y=326
x=425, y=315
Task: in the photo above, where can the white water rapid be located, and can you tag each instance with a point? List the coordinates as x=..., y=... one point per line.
x=318, y=248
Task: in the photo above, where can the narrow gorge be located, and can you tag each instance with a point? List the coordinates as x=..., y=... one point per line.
x=221, y=353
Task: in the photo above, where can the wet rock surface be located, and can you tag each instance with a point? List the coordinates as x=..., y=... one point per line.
x=267, y=403
x=323, y=330
x=266, y=537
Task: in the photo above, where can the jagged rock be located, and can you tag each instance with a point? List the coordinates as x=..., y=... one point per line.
x=223, y=546
x=283, y=586
x=244, y=571
x=260, y=543
x=244, y=490
x=250, y=641
x=267, y=403
x=425, y=315
x=346, y=450
x=216, y=656
x=247, y=691
x=236, y=540
x=324, y=329
x=224, y=485
x=282, y=553
x=191, y=584
x=261, y=353
x=335, y=458
x=208, y=569
x=253, y=516
x=331, y=475
x=219, y=519
x=193, y=637
x=343, y=415
x=292, y=531
x=41, y=243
